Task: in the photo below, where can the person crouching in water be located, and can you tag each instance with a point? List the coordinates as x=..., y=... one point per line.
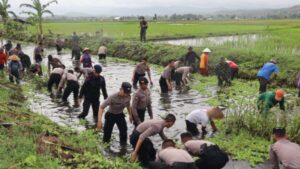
x=142, y=145
x=181, y=75
x=90, y=90
x=141, y=102
x=116, y=102
x=171, y=157
x=72, y=87
x=55, y=77
x=203, y=117
x=210, y=155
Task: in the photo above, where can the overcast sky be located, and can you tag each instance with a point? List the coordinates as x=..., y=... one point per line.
x=136, y=7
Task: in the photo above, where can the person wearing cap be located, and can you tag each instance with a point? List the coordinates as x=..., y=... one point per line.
x=170, y=157
x=204, y=62
x=139, y=139
x=181, y=75
x=3, y=59
x=72, y=87
x=54, y=62
x=269, y=99
x=216, y=159
x=223, y=72
x=90, y=90
x=143, y=29
x=265, y=73
x=234, y=68
x=14, y=68
x=102, y=52
x=116, y=102
x=84, y=71
x=38, y=53
x=140, y=71
x=86, y=58
x=284, y=151
x=55, y=77
x=191, y=58
x=165, y=80
x=141, y=102
x=203, y=117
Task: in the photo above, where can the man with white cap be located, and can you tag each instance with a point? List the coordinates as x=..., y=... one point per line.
x=265, y=74
x=204, y=62
x=86, y=58
x=203, y=117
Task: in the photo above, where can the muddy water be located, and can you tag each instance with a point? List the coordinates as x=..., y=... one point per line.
x=178, y=102
x=218, y=40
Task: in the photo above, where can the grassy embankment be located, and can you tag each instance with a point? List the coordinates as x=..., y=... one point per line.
x=23, y=145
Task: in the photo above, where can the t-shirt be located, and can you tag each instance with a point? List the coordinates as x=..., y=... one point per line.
x=167, y=73
x=150, y=128
x=267, y=70
x=116, y=103
x=199, y=117
x=232, y=65
x=267, y=100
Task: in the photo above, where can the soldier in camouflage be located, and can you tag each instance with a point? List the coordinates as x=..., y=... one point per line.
x=223, y=72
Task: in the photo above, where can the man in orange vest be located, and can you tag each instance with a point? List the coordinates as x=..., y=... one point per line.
x=204, y=62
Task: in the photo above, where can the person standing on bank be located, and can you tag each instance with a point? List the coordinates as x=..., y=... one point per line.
x=140, y=71
x=165, y=80
x=72, y=87
x=102, y=52
x=204, y=62
x=143, y=27
x=142, y=145
x=116, y=102
x=141, y=102
x=90, y=90
x=284, y=151
x=265, y=73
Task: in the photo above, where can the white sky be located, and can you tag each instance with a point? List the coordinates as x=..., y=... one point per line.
x=131, y=7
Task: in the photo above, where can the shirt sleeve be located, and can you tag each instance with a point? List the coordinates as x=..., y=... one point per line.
x=106, y=103
x=276, y=70
x=104, y=91
x=147, y=133
x=273, y=159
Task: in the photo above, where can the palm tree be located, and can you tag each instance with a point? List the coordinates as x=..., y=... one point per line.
x=39, y=10
x=4, y=13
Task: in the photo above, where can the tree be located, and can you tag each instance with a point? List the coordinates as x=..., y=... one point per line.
x=39, y=11
x=4, y=11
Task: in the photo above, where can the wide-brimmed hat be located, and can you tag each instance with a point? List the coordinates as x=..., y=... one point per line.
x=86, y=49
x=279, y=94
x=14, y=58
x=215, y=113
x=206, y=50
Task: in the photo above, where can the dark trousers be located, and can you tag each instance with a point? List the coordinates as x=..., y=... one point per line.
x=262, y=84
x=54, y=79
x=147, y=153
x=110, y=121
x=192, y=128
x=141, y=115
x=143, y=35
x=86, y=107
x=16, y=75
x=58, y=49
x=177, y=165
x=38, y=58
x=234, y=72
x=221, y=80
x=102, y=56
x=178, y=79
x=136, y=79
x=163, y=85
x=72, y=87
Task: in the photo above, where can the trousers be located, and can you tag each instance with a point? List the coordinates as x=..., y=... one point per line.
x=110, y=121
x=54, y=79
x=163, y=85
x=72, y=86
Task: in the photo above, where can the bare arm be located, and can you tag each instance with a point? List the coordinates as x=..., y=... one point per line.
x=129, y=113
x=169, y=84
x=162, y=135
x=100, y=114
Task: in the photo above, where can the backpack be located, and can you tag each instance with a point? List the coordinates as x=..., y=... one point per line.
x=214, y=156
x=14, y=66
x=86, y=61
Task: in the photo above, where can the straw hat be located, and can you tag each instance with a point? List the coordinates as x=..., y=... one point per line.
x=215, y=113
x=206, y=50
x=14, y=58
x=86, y=49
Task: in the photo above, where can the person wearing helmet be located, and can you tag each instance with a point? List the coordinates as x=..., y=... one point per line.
x=204, y=62
x=265, y=74
x=203, y=117
x=117, y=103
x=90, y=90
x=86, y=58
x=269, y=99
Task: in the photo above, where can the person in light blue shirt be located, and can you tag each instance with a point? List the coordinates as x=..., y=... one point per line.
x=265, y=74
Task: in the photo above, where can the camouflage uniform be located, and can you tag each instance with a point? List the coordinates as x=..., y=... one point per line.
x=223, y=73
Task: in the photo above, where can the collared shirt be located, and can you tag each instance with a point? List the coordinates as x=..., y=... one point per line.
x=199, y=117
x=287, y=153
x=267, y=100
x=67, y=77
x=141, y=68
x=116, y=103
x=141, y=101
x=267, y=70
x=184, y=71
x=102, y=50
x=193, y=146
x=167, y=72
x=91, y=87
x=173, y=155
x=58, y=70
x=151, y=127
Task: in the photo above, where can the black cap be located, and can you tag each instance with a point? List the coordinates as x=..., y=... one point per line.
x=98, y=68
x=126, y=87
x=143, y=80
x=279, y=130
